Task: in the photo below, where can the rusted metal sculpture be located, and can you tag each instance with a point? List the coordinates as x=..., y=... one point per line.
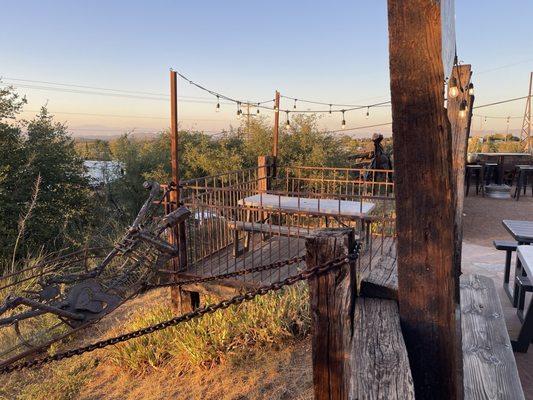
x=68, y=296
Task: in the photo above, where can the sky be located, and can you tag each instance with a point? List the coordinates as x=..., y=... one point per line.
x=330, y=51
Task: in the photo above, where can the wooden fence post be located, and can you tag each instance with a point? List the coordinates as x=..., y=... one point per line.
x=420, y=32
x=264, y=173
x=332, y=298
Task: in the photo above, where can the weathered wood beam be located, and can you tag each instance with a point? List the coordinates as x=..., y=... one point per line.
x=332, y=298
x=460, y=128
x=424, y=197
x=378, y=354
x=381, y=280
x=489, y=363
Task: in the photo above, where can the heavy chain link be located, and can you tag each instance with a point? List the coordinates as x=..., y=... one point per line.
x=261, y=268
x=208, y=309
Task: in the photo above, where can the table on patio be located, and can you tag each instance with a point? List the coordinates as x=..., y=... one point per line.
x=522, y=232
x=499, y=189
x=272, y=203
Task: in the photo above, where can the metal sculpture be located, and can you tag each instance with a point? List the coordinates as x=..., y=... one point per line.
x=68, y=295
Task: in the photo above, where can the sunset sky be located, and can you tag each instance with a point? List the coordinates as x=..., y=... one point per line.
x=334, y=51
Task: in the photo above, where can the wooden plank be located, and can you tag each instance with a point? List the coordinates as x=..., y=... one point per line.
x=275, y=230
x=424, y=198
x=378, y=354
x=381, y=279
x=308, y=205
x=489, y=365
x=332, y=297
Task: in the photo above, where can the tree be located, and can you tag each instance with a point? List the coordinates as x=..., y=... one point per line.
x=63, y=206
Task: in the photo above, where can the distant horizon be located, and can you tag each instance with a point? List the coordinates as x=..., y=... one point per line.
x=99, y=71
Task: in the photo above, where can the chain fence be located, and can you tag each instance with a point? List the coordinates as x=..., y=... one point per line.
x=199, y=312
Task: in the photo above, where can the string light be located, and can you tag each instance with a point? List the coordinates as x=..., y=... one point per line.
x=239, y=111
x=471, y=89
x=258, y=104
x=343, y=125
x=462, y=109
x=453, y=90
x=367, y=112
x=330, y=108
x=218, y=103
x=287, y=124
x=294, y=107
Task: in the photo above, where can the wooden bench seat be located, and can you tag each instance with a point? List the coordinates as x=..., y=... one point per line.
x=508, y=246
x=488, y=361
x=258, y=227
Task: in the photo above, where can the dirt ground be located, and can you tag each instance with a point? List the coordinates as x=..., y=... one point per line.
x=483, y=217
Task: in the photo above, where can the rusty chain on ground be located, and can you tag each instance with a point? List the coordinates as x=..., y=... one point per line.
x=208, y=309
x=266, y=267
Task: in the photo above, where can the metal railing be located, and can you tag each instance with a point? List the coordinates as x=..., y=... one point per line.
x=242, y=219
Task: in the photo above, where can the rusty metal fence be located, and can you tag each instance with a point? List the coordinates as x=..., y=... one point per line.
x=255, y=216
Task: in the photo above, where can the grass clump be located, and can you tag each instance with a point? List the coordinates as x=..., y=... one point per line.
x=268, y=320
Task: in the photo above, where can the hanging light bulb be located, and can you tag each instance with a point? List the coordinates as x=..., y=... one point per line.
x=485, y=119
x=453, y=90
x=471, y=89
x=343, y=125
x=218, y=104
x=330, y=108
x=239, y=111
x=287, y=124
x=258, y=104
x=295, y=100
x=367, y=112
x=462, y=109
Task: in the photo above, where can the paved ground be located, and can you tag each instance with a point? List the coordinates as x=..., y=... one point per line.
x=482, y=224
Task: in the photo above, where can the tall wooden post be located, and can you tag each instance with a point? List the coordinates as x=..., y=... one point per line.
x=332, y=298
x=264, y=173
x=178, y=233
x=424, y=195
x=460, y=129
x=275, y=139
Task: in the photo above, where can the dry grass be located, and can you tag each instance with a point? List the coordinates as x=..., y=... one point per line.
x=238, y=353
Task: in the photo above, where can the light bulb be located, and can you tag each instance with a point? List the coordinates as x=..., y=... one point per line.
x=218, y=105
x=330, y=108
x=295, y=100
x=462, y=109
x=258, y=104
x=287, y=124
x=343, y=124
x=453, y=90
x=367, y=112
x=471, y=89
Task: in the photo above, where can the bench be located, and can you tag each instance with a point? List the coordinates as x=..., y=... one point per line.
x=489, y=364
x=507, y=246
x=524, y=266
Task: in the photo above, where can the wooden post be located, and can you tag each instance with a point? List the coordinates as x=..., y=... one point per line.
x=178, y=233
x=275, y=139
x=460, y=129
x=264, y=173
x=424, y=195
x=332, y=298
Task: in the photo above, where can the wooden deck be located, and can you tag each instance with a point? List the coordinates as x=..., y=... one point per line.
x=274, y=249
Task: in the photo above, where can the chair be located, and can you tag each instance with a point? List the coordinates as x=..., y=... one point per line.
x=490, y=170
x=477, y=171
x=523, y=172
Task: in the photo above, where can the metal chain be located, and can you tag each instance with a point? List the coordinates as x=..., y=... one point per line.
x=266, y=267
x=208, y=309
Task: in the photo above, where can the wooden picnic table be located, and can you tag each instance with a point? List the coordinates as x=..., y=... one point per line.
x=521, y=231
x=332, y=207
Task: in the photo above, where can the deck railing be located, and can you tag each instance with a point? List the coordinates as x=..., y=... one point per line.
x=242, y=219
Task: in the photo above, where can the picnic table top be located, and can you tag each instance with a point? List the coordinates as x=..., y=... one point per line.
x=521, y=231
x=503, y=154
x=346, y=208
x=525, y=254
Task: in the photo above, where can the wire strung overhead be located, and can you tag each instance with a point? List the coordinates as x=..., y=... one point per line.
x=262, y=104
